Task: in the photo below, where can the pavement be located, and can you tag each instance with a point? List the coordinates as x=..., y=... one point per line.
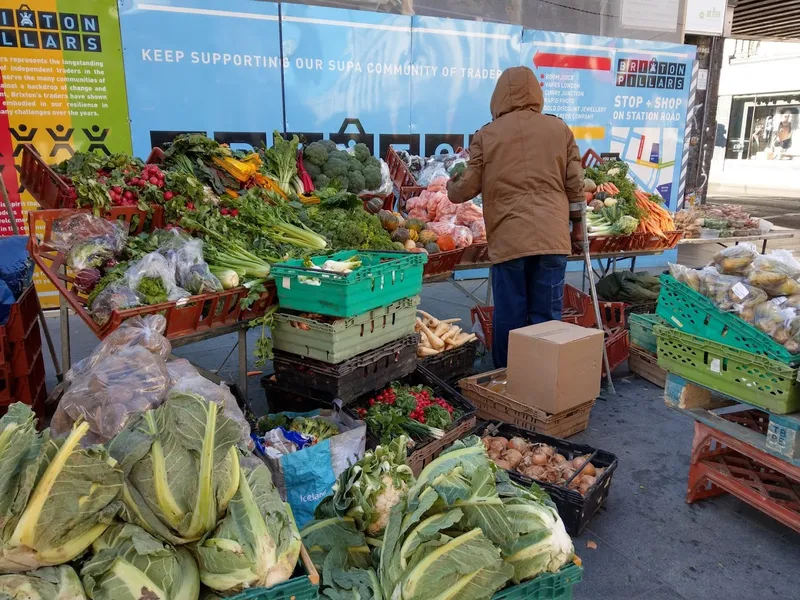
x=646, y=542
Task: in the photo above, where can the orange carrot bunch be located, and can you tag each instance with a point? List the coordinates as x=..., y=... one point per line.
x=656, y=219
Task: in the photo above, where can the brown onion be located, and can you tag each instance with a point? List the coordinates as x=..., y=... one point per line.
x=539, y=458
x=519, y=444
x=512, y=456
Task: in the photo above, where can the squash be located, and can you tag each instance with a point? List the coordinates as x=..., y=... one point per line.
x=415, y=225
x=589, y=185
x=398, y=246
x=374, y=206
x=388, y=221
x=400, y=235
x=588, y=196
x=428, y=237
x=412, y=234
x=600, y=196
x=420, y=245
x=411, y=246
x=432, y=248
x=446, y=243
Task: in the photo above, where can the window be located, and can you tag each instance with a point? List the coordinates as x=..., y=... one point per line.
x=764, y=127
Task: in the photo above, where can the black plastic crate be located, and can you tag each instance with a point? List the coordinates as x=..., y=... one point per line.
x=575, y=510
x=453, y=364
x=296, y=399
x=425, y=451
x=350, y=379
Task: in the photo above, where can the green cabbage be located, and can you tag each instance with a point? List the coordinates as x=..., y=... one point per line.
x=181, y=465
x=56, y=497
x=47, y=583
x=130, y=564
x=257, y=543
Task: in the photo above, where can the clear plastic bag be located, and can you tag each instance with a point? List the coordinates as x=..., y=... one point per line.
x=741, y=297
x=180, y=368
x=152, y=278
x=690, y=277
x=735, y=260
x=462, y=236
x=774, y=321
x=146, y=331
x=74, y=228
x=116, y=296
x=715, y=286
x=778, y=261
x=432, y=171
x=185, y=254
x=774, y=282
x=111, y=392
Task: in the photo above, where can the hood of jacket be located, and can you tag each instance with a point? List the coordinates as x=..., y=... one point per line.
x=517, y=89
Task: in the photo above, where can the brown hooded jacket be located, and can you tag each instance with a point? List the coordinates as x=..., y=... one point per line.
x=528, y=169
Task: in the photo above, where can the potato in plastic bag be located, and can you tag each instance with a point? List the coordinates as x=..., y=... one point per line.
x=115, y=296
x=793, y=343
x=690, y=277
x=741, y=296
x=146, y=331
x=113, y=390
x=774, y=282
x=735, y=260
x=779, y=261
x=773, y=320
x=715, y=287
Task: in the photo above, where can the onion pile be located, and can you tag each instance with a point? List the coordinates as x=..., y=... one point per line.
x=542, y=463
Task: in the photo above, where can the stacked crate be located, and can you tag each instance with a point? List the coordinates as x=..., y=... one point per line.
x=644, y=356
x=340, y=336
x=21, y=360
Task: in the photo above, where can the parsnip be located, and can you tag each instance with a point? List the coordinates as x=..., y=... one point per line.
x=436, y=341
x=424, y=351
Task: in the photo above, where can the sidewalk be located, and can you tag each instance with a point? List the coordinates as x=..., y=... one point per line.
x=651, y=545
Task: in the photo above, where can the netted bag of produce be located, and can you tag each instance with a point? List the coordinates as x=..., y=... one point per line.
x=115, y=389
x=152, y=278
x=115, y=296
x=735, y=260
x=219, y=394
x=185, y=254
x=146, y=331
x=441, y=228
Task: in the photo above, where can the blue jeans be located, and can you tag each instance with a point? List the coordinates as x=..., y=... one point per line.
x=526, y=291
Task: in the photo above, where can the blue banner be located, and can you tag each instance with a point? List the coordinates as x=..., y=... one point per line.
x=348, y=75
x=191, y=67
x=458, y=64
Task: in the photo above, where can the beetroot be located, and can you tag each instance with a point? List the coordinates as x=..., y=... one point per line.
x=86, y=279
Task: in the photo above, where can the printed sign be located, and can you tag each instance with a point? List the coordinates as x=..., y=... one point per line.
x=193, y=67
x=61, y=89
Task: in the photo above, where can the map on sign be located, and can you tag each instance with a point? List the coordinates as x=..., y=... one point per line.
x=650, y=155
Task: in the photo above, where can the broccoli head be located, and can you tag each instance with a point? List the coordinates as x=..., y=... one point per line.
x=330, y=145
x=372, y=178
x=356, y=182
x=313, y=170
x=335, y=167
x=341, y=182
x=315, y=153
x=362, y=152
x=373, y=162
x=354, y=165
x=321, y=181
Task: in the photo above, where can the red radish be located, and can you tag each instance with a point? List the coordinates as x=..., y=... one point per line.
x=190, y=205
x=224, y=211
x=154, y=180
x=116, y=189
x=128, y=194
x=168, y=196
x=235, y=212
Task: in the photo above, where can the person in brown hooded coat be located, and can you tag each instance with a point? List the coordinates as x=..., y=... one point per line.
x=528, y=168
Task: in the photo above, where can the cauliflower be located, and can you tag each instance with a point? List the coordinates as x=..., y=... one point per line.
x=367, y=491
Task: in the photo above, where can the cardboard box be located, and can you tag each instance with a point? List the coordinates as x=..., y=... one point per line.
x=554, y=366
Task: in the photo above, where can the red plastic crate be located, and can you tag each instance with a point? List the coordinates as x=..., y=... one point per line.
x=49, y=188
x=618, y=348
x=398, y=170
x=579, y=310
x=24, y=353
x=189, y=316
x=442, y=262
x=21, y=321
x=29, y=388
x=476, y=254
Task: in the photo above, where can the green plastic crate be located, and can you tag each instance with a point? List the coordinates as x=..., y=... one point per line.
x=297, y=588
x=383, y=278
x=548, y=586
x=691, y=312
x=641, y=328
x=742, y=375
x=345, y=338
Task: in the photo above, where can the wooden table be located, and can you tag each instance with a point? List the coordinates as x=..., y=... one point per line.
x=727, y=241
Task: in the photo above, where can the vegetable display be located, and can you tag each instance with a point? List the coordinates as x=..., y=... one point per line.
x=461, y=530
x=316, y=428
x=404, y=410
x=762, y=289
x=720, y=220
x=47, y=583
x=437, y=336
x=329, y=166
x=542, y=463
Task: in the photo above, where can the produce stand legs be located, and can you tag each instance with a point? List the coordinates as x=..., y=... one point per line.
x=720, y=463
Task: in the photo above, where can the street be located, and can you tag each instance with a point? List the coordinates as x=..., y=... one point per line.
x=780, y=211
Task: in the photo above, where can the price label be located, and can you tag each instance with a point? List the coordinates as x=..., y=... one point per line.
x=779, y=301
x=715, y=365
x=740, y=290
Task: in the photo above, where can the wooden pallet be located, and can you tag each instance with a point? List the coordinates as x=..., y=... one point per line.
x=722, y=463
x=766, y=432
x=645, y=365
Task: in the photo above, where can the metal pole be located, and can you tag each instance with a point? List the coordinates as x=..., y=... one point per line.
x=13, y=220
x=588, y=262
x=243, y=361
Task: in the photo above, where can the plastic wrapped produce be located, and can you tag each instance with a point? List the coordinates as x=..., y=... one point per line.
x=774, y=320
x=690, y=277
x=434, y=170
x=778, y=261
x=468, y=213
x=417, y=208
x=109, y=394
x=774, y=283
x=478, y=229
x=185, y=253
x=180, y=368
x=741, y=296
x=115, y=296
x=735, y=260
x=438, y=185
x=441, y=228
x=76, y=227
x=462, y=236
x=146, y=331
x=715, y=286
x=153, y=280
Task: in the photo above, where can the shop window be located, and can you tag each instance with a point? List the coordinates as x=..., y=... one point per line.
x=764, y=128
